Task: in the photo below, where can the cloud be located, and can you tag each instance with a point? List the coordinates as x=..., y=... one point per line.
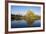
x=20, y=13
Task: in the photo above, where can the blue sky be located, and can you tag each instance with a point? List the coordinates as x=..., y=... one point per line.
x=23, y=9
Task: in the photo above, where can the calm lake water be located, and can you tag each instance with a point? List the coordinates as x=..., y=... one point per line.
x=23, y=24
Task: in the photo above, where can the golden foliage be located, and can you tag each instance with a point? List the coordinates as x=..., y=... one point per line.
x=30, y=17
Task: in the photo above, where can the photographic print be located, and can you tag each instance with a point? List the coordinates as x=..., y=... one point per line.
x=25, y=16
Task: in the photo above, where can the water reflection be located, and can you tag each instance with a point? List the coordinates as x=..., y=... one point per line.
x=23, y=24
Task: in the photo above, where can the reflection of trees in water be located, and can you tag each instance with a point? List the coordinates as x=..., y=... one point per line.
x=30, y=17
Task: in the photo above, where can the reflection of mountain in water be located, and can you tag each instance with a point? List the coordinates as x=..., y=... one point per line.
x=23, y=23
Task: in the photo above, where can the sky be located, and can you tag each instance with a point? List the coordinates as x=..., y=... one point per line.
x=21, y=10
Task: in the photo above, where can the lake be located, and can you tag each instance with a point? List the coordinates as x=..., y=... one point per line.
x=23, y=24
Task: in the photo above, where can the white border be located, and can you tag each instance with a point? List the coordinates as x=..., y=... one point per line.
x=22, y=29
